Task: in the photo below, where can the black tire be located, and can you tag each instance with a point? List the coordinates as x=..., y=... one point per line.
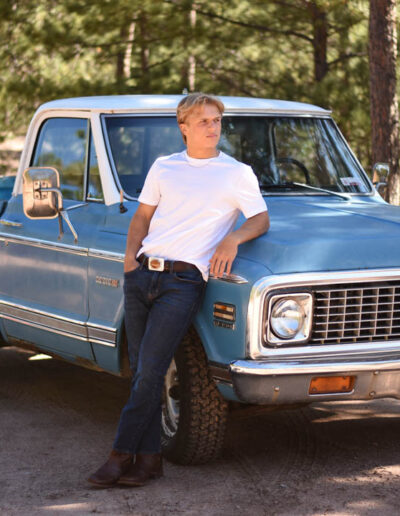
x=197, y=436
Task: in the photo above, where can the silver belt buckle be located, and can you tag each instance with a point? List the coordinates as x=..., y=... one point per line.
x=155, y=263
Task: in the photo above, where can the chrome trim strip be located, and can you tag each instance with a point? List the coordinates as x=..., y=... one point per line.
x=11, y=223
x=61, y=325
x=263, y=286
x=101, y=326
x=102, y=342
x=102, y=335
x=254, y=368
x=42, y=327
x=106, y=255
x=326, y=113
x=171, y=113
x=43, y=244
x=93, y=199
x=76, y=206
x=37, y=311
x=39, y=319
x=65, y=248
x=230, y=278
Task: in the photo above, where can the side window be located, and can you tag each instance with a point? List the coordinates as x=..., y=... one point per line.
x=62, y=144
x=94, y=190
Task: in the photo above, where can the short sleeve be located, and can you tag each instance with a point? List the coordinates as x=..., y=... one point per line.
x=248, y=196
x=150, y=193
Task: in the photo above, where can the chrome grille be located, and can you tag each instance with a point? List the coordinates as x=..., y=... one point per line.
x=356, y=313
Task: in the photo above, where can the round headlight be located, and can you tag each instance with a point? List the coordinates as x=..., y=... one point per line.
x=287, y=318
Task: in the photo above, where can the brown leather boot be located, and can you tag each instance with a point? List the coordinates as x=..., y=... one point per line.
x=108, y=474
x=147, y=466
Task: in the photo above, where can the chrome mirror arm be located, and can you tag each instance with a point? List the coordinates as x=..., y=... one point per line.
x=60, y=227
x=55, y=190
x=62, y=214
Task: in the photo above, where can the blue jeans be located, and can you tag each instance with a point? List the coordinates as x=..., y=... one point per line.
x=159, y=307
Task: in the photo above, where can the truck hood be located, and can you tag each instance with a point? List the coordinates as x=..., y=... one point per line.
x=329, y=235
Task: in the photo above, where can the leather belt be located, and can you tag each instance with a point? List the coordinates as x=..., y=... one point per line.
x=154, y=263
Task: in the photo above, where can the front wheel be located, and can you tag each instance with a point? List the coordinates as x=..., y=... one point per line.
x=194, y=412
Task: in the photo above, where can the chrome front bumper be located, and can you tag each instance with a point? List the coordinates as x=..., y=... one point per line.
x=273, y=382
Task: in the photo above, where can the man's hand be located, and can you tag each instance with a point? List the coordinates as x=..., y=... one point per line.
x=138, y=229
x=224, y=255
x=130, y=265
x=227, y=249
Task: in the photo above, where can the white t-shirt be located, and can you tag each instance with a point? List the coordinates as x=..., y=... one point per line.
x=198, y=202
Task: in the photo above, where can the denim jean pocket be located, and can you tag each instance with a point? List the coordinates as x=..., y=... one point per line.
x=189, y=276
x=129, y=273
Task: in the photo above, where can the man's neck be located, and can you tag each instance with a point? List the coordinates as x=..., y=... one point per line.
x=202, y=153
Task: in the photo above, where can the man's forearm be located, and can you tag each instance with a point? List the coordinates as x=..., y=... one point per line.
x=138, y=229
x=252, y=228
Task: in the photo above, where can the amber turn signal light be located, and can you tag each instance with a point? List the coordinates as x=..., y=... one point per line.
x=331, y=384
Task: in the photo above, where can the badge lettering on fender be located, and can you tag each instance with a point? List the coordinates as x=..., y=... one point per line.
x=107, y=282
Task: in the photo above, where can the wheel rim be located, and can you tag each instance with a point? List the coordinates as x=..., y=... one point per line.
x=170, y=408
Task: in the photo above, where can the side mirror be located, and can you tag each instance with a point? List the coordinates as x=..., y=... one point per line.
x=42, y=197
x=380, y=172
x=41, y=193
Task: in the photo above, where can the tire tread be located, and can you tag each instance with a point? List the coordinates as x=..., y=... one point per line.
x=203, y=411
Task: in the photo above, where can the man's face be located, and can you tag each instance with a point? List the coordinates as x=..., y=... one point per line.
x=202, y=127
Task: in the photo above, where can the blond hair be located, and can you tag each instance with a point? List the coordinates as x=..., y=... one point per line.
x=193, y=101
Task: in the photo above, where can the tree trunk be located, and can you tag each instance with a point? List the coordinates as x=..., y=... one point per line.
x=192, y=59
x=144, y=54
x=320, y=40
x=119, y=71
x=128, y=51
x=384, y=107
x=188, y=71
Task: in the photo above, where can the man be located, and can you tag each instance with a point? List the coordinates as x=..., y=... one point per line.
x=181, y=231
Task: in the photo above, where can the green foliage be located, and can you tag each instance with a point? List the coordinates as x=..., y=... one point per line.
x=307, y=50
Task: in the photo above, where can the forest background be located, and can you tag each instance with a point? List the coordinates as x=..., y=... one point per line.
x=304, y=50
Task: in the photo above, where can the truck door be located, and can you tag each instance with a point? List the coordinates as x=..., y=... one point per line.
x=44, y=279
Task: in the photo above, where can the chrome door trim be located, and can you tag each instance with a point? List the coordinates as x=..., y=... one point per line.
x=43, y=244
x=254, y=345
x=64, y=248
x=11, y=223
x=73, y=328
x=41, y=319
x=106, y=255
x=42, y=327
x=76, y=206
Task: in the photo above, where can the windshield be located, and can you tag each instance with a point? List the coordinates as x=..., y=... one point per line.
x=282, y=151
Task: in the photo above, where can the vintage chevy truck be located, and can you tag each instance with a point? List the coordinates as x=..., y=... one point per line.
x=310, y=312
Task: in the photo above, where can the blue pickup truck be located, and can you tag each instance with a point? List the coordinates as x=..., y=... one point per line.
x=310, y=312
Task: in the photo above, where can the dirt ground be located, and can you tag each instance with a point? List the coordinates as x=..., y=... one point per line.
x=57, y=423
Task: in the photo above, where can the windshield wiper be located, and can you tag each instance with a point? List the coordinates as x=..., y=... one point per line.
x=291, y=184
